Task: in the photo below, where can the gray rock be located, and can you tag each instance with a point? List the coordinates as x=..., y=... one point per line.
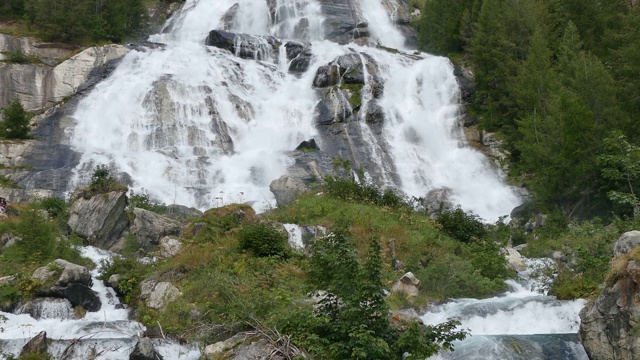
x=114, y=282
x=144, y=350
x=341, y=18
x=158, y=295
x=407, y=285
x=79, y=295
x=244, y=45
x=47, y=308
x=38, y=86
x=334, y=107
x=72, y=273
x=627, y=242
x=36, y=346
x=437, y=199
x=149, y=227
x=169, y=247
x=515, y=261
x=608, y=323
x=286, y=189
x=302, y=59
x=7, y=280
x=181, y=212
x=100, y=219
x=230, y=16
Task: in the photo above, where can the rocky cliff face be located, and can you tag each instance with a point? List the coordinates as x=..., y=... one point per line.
x=39, y=85
x=610, y=323
x=43, y=166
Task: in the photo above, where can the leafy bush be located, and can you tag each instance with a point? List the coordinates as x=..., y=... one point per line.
x=142, y=200
x=15, y=121
x=17, y=57
x=38, y=236
x=264, y=240
x=350, y=190
x=460, y=225
x=102, y=181
x=351, y=319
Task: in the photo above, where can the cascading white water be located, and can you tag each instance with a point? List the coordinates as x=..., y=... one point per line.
x=108, y=331
x=198, y=126
x=514, y=325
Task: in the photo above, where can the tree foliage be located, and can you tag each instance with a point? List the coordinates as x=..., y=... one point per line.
x=553, y=77
x=79, y=20
x=15, y=121
x=351, y=319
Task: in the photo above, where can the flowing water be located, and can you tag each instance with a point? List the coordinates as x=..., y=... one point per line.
x=197, y=125
x=108, y=332
x=524, y=323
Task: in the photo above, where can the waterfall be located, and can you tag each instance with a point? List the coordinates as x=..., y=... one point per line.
x=199, y=126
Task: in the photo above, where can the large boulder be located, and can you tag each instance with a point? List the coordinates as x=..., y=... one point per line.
x=79, y=295
x=101, y=219
x=144, y=350
x=609, y=324
x=244, y=45
x=287, y=188
x=64, y=273
x=36, y=346
x=169, y=247
x=407, y=285
x=149, y=227
x=158, y=295
x=627, y=242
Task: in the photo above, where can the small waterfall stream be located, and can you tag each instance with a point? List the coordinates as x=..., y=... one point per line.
x=523, y=323
x=108, y=332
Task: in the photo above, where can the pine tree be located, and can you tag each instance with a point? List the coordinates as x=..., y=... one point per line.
x=15, y=121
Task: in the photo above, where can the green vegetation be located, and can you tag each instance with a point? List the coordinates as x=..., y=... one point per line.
x=79, y=20
x=39, y=226
x=355, y=98
x=6, y=182
x=237, y=273
x=263, y=240
x=15, y=121
x=142, y=200
x=554, y=78
x=102, y=182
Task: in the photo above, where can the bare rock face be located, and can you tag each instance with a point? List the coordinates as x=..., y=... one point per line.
x=39, y=86
x=608, y=328
x=100, y=219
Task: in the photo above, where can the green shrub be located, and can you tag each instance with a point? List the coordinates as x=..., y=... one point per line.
x=460, y=225
x=142, y=200
x=38, y=236
x=102, y=181
x=264, y=240
x=17, y=57
x=352, y=319
x=350, y=190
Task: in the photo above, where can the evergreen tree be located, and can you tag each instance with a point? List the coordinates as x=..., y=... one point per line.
x=15, y=121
